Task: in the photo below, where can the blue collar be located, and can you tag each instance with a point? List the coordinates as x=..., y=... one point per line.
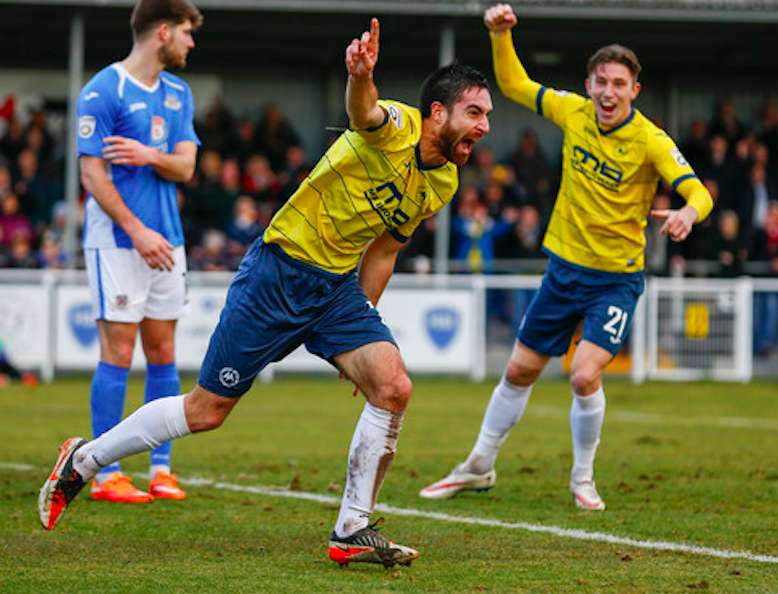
x=630, y=117
x=422, y=166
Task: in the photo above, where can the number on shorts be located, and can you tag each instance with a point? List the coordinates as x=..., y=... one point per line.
x=617, y=323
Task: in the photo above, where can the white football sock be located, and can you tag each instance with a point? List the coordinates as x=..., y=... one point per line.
x=586, y=416
x=152, y=424
x=371, y=452
x=155, y=468
x=504, y=410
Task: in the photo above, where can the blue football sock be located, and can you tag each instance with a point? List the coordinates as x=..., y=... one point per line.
x=161, y=381
x=106, y=397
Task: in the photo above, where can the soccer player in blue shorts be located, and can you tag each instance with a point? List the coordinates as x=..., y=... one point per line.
x=393, y=168
x=136, y=139
x=612, y=157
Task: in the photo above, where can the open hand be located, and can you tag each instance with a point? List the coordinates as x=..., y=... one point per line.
x=362, y=54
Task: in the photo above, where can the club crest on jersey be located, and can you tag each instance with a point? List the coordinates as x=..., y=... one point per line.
x=86, y=126
x=172, y=102
x=158, y=129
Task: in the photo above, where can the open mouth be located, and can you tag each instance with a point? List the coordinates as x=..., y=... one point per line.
x=607, y=110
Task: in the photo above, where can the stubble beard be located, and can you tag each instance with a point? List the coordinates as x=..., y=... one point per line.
x=170, y=60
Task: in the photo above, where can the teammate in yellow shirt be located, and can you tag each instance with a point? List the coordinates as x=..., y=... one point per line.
x=612, y=160
x=396, y=166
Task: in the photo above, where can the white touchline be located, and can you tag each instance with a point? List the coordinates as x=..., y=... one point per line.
x=657, y=545
x=640, y=418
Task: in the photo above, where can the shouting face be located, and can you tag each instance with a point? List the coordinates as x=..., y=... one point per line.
x=612, y=88
x=465, y=123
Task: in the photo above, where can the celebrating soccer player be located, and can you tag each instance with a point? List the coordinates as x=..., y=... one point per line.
x=393, y=168
x=613, y=158
x=136, y=139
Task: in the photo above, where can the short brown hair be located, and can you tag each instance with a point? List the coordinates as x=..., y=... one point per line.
x=147, y=13
x=614, y=53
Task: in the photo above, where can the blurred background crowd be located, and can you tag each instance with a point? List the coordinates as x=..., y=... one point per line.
x=249, y=166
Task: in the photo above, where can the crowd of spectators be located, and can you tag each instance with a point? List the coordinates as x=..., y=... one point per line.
x=248, y=167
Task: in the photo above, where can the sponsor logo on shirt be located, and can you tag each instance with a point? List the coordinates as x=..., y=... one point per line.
x=138, y=105
x=86, y=126
x=172, y=102
x=596, y=168
x=158, y=129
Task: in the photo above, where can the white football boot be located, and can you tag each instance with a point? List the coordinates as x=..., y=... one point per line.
x=585, y=495
x=459, y=480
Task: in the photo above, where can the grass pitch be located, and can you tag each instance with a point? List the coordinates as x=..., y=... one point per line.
x=689, y=463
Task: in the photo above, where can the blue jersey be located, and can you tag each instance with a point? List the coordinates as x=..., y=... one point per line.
x=113, y=103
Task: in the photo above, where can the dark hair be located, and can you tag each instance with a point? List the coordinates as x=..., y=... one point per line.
x=615, y=53
x=148, y=13
x=446, y=85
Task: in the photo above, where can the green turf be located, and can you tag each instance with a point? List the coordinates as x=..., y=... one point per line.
x=673, y=473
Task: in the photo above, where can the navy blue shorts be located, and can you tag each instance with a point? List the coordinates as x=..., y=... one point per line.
x=276, y=303
x=605, y=301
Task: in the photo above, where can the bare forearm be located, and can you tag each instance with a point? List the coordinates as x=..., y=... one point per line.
x=100, y=186
x=173, y=167
x=375, y=272
x=362, y=102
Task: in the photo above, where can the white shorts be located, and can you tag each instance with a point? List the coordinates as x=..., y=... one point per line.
x=125, y=289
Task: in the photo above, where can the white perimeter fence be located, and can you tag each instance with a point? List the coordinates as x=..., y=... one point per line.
x=683, y=328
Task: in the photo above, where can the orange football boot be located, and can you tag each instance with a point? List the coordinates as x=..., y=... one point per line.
x=164, y=485
x=118, y=488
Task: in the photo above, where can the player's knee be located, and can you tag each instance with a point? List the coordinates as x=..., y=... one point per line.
x=161, y=354
x=119, y=354
x=585, y=380
x=395, y=394
x=520, y=375
x=205, y=416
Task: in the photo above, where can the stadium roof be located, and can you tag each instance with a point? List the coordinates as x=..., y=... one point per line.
x=691, y=10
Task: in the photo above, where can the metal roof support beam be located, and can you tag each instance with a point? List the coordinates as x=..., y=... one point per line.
x=75, y=77
x=447, y=54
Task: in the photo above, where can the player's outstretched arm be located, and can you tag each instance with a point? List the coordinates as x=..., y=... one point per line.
x=678, y=222
x=512, y=78
x=361, y=93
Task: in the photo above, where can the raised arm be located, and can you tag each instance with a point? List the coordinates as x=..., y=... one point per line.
x=512, y=78
x=361, y=93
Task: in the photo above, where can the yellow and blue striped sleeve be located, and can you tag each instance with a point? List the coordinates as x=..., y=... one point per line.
x=678, y=174
x=397, y=129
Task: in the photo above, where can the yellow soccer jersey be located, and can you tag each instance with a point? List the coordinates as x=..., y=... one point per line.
x=367, y=183
x=609, y=177
x=609, y=180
